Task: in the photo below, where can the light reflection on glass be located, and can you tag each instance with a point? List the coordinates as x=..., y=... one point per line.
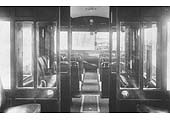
x=27, y=49
x=5, y=54
x=24, y=47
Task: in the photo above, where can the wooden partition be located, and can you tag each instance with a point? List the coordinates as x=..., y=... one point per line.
x=151, y=93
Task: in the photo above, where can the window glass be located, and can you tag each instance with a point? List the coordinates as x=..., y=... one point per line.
x=83, y=40
x=102, y=41
x=24, y=49
x=122, y=52
x=27, y=50
x=46, y=60
x=154, y=48
x=129, y=55
x=149, y=55
x=5, y=54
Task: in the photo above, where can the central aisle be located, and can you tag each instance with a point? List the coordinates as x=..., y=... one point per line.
x=90, y=84
x=90, y=93
x=90, y=100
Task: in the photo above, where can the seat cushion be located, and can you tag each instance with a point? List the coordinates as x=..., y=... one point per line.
x=26, y=108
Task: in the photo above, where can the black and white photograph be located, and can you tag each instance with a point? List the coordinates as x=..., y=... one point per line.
x=85, y=60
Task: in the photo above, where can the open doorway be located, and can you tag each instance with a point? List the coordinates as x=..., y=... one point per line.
x=90, y=51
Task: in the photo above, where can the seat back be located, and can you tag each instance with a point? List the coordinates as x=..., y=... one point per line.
x=42, y=68
x=45, y=60
x=43, y=64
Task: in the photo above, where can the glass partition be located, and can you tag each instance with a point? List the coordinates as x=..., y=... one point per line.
x=149, y=55
x=129, y=54
x=46, y=54
x=102, y=46
x=24, y=52
x=5, y=54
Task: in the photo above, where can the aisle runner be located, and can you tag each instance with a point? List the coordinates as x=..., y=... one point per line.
x=90, y=84
x=90, y=103
x=90, y=93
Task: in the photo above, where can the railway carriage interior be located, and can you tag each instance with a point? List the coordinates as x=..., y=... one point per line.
x=87, y=59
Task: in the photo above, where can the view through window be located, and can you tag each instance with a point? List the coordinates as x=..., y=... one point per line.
x=83, y=41
x=89, y=40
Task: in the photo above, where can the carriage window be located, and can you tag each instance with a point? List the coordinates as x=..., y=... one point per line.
x=149, y=56
x=46, y=60
x=5, y=54
x=102, y=41
x=168, y=58
x=24, y=52
x=83, y=40
x=63, y=40
x=129, y=55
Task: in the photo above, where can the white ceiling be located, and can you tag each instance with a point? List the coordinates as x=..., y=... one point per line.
x=100, y=11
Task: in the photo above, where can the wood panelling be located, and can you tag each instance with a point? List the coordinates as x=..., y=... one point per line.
x=4, y=12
